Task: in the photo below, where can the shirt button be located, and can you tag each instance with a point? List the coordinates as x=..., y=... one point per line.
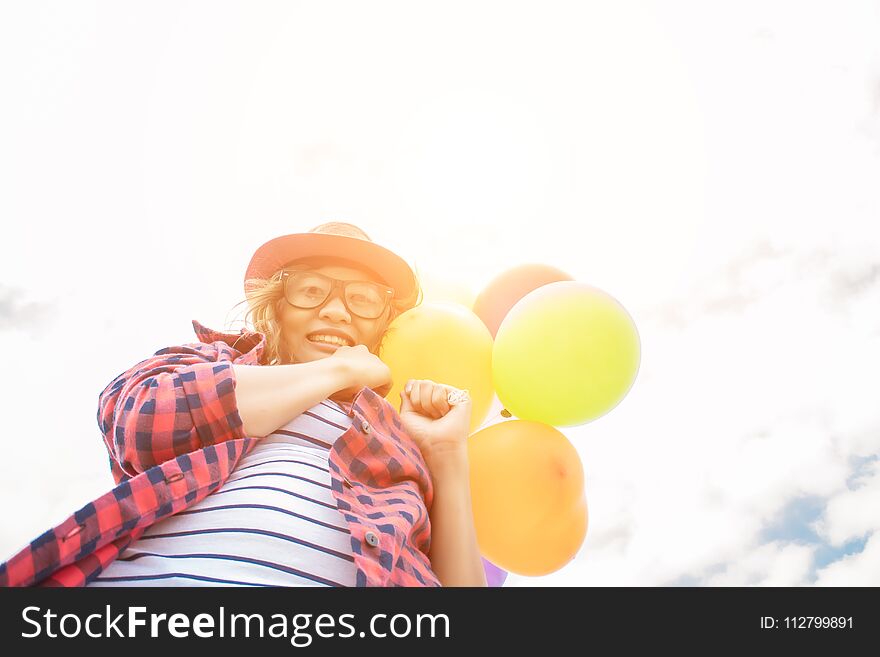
x=366, y=426
x=372, y=539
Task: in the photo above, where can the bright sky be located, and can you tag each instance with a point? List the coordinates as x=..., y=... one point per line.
x=713, y=168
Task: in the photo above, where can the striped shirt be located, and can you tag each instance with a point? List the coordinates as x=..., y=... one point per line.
x=273, y=523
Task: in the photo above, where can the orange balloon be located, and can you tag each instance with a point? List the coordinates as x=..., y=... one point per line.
x=527, y=493
x=502, y=293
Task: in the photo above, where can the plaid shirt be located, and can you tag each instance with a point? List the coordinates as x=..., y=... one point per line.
x=174, y=435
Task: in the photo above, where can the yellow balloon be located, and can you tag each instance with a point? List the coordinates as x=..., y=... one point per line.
x=565, y=354
x=527, y=494
x=442, y=342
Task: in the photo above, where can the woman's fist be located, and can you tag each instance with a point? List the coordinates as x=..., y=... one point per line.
x=437, y=426
x=363, y=369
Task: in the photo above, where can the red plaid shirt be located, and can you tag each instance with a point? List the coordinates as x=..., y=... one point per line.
x=174, y=435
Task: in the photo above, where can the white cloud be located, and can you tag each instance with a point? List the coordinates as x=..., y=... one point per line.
x=18, y=313
x=770, y=564
x=860, y=569
x=853, y=513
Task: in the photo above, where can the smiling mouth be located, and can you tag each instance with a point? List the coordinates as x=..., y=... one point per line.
x=331, y=344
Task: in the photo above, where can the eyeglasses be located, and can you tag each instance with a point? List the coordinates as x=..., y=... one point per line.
x=309, y=289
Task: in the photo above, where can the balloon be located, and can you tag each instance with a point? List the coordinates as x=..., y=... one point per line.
x=500, y=295
x=445, y=343
x=527, y=495
x=495, y=576
x=565, y=354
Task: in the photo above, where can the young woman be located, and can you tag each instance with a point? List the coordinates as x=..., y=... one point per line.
x=271, y=457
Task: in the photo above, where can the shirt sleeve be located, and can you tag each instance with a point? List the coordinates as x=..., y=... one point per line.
x=177, y=401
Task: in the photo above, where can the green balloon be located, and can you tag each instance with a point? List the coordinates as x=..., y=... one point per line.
x=565, y=354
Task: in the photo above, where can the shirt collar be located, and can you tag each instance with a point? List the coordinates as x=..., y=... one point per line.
x=247, y=342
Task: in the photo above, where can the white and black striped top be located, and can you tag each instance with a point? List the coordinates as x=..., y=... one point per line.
x=273, y=523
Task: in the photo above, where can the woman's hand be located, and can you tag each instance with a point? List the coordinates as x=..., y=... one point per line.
x=363, y=369
x=440, y=429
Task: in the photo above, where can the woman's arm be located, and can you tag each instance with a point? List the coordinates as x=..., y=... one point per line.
x=188, y=397
x=270, y=397
x=176, y=401
x=441, y=430
x=454, y=553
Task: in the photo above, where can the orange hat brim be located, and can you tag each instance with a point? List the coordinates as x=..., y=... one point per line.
x=388, y=266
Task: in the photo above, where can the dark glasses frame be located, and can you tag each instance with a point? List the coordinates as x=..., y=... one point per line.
x=288, y=274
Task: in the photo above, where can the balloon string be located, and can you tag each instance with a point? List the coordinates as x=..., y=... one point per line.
x=503, y=413
x=458, y=396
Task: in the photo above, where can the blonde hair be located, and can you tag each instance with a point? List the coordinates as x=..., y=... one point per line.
x=265, y=296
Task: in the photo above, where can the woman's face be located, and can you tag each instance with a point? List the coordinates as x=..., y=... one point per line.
x=297, y=323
